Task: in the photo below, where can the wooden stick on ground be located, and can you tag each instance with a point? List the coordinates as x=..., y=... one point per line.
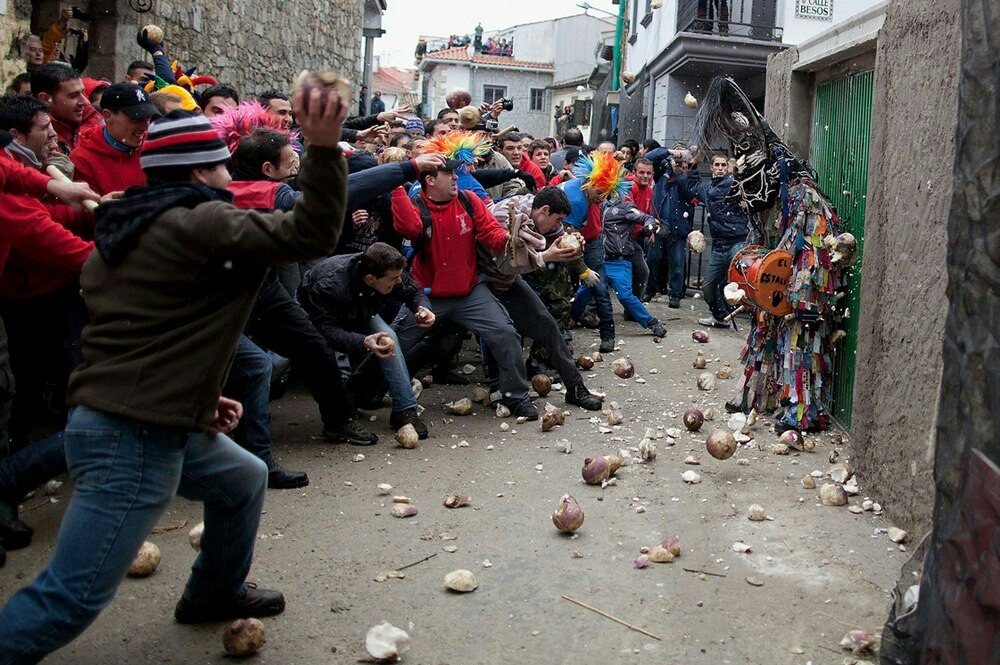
x=615, y=619
x=703, y=572
x=410, y=565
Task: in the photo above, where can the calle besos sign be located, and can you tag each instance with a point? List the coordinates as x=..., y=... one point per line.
x=818, y=9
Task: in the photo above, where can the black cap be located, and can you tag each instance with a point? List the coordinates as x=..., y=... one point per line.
x=130, y=99
x=451, y=165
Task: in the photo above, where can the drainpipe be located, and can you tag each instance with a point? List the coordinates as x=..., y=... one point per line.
x=616, y=69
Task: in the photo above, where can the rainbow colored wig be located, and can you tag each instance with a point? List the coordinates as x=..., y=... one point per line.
x=600, y=171
x=233, y=123
x=459, y=145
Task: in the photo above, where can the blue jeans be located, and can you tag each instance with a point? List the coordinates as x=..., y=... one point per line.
x=619, y=273
x=394, y=369
x=249, y=383
x=27, y=468
x=126, y=474
x=723, y=252
x=593, y=256
x=674, y=251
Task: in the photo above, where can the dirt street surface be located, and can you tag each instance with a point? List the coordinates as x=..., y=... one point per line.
x=812, y=572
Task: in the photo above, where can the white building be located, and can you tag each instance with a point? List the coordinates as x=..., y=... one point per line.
x=674, y=50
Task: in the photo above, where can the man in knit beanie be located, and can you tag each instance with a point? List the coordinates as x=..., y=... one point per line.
x=169, y=290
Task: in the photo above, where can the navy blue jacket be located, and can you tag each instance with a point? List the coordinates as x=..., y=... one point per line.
x=676, y=214
x=726, y=220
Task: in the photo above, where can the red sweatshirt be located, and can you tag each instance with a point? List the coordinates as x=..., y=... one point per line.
x=104, y=167
x=595, y=222
x=70, y=134
x=529, y=166
x=38, y=252
x=642, y=197
x=15, y=178
x=447, y=261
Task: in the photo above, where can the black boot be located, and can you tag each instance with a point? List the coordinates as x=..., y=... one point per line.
x=583, y=398
x=279, y=478
x=3, y=556
x=14, y=534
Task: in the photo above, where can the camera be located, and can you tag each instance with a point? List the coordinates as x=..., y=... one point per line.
x=507, y=102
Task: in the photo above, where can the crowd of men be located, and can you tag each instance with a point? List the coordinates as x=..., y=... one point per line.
x=241, y=235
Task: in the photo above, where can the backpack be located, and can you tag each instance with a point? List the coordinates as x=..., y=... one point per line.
x=425, y=216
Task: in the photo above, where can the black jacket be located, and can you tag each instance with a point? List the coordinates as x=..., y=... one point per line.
x=340, y=304
x=619, y=221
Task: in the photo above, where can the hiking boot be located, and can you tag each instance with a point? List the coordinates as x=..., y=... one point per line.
x=522, y=409
x=581, y=397
x=280, y=478
x=400, y=419
x=674, y=303
x=607, y=345
x=657, y=328
x=349, y=432
x=14, y=534
x=253, y=603
x=712, y=322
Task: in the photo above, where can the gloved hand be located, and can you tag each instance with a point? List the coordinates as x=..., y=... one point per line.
x=528, y=179
x=590, y=278
x=143, y=40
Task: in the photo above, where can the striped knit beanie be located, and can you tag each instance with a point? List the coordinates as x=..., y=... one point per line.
x=182, y=138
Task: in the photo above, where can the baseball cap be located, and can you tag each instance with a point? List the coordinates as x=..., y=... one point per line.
x=130, y=99
x=451, y=165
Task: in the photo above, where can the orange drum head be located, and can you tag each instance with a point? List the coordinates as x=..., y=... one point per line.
x=765, y=276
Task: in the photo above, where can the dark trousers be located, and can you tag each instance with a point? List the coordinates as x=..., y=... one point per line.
x=280, y=324
x=44, y=343
x=532, y=319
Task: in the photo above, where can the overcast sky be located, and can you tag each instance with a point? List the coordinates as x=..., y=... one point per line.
x=405, y=20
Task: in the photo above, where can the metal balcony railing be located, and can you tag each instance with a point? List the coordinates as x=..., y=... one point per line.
x=747, y=19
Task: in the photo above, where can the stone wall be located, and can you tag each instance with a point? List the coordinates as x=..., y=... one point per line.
x=253, y=45
x=903, y=301
x=15, y=26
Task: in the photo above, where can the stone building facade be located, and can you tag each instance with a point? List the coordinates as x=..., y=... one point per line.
x=15, y=26
x=253, y=45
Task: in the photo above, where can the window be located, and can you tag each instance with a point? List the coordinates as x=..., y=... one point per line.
x=537, y=99
x=493, y=93
x=582, y=110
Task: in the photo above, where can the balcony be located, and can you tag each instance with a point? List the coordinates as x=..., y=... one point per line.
x=741, y=19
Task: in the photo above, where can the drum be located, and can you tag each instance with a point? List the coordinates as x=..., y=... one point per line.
x=764, y=275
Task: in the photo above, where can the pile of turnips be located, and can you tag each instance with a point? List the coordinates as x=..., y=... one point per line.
x=666, y=552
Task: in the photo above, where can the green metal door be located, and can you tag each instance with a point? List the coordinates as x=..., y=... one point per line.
x=839, y=151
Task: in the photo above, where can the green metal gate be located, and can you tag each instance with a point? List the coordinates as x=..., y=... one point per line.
x=839, y=151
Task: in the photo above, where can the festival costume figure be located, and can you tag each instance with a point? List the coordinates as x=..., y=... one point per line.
x=788, y=360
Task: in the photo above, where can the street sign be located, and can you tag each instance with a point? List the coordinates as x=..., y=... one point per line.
x=817, y=9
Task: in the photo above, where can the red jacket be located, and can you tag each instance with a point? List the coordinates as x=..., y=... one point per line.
x=38, y=251
x=69, y=134
x=104, y=167
x=529, y=166
x=254, y=194
x=642, y=197
x=595, y=222
x=447, y=260
x=16, y=178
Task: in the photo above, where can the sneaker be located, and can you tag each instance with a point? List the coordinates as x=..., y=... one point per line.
x=607, y=345
x=253, y=603
x=408, y=417
x=674, y=303
x=280, y=478
x=522, y=409
x=657, y=328
x=349, y=432
x=581, y=397
x=712, y=322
